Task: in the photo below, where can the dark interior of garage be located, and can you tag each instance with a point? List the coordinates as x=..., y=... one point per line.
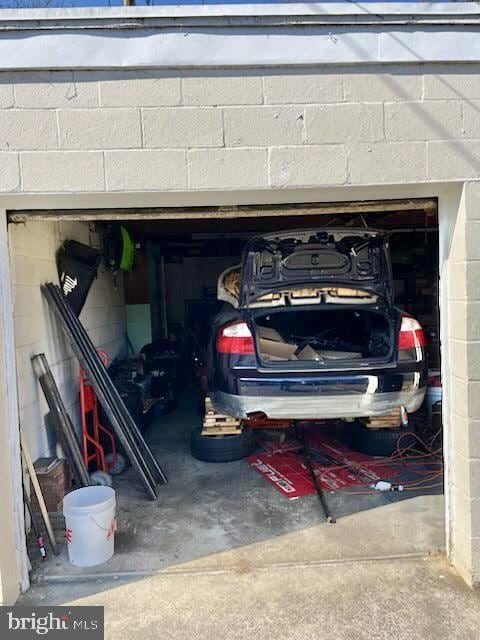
x=171, y=301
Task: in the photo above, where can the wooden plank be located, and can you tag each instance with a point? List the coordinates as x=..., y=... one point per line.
x=221, y=431
x=241, y=211
x=390, y=420
x=383, y=424
x=38, y=493
x=231, y=423
x=217, y=424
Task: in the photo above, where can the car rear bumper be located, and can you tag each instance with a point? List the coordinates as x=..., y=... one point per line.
x=309, y=406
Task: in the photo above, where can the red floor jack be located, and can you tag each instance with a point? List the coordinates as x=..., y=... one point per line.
x=92, y=427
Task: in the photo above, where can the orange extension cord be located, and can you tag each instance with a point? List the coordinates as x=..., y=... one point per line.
x=405, y=455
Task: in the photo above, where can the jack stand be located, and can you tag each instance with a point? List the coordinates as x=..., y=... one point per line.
x=299, y=432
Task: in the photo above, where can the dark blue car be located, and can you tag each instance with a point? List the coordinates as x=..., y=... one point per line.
x=310, y=331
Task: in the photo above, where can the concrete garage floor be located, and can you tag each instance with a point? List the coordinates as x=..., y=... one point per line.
x=207, y=509
x=223, y=554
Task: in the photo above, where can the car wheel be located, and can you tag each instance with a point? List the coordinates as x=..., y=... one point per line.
x=222, y=448
x=379, y=442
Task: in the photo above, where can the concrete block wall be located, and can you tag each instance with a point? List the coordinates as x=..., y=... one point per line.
x=151, y=130
x=464, y=308
x=32, y=248
x=127, y=131
x=11, y=512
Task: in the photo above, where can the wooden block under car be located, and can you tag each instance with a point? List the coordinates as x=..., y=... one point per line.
x=391, y=420
x=54, y=479
x=215, y=424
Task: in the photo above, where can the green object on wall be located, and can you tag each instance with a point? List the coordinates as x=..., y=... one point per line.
x=128, y=250
x=119, y=248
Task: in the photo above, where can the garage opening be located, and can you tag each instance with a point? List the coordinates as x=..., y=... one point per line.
x=328, y=381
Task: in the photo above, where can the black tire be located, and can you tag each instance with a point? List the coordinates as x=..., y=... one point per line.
x=418, y=421
x=379, y=442
x=222, y=448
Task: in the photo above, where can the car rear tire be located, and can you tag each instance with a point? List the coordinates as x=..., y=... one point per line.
x=379, y=442
x=222, y=448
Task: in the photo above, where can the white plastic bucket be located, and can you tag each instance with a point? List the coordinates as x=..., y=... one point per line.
x=90, y=525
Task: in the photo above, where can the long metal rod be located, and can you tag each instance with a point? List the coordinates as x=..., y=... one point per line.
x=90, y=366
x=61, y=420
x=113, y=414
x=38, y=492
x=57, y=303
x=163, y=293
x=47, y=381
x=110, y=389
x=308, y=461
x=123, y=415
x=54, y=419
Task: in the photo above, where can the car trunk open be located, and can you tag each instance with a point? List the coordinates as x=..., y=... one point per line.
x=273, y=264
x=327, y=336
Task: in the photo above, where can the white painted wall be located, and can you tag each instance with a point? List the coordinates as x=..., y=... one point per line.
x=32, y=247
x=139, y=325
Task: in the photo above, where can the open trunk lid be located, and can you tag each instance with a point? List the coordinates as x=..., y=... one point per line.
x=357, y=259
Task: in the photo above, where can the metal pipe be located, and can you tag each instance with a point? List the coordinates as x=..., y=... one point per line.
x=110, y=389
x=90, y=367
x=300, y=434
x=163, y=293
x=58, y=304
x=93, y=366
x=79, y=470
x=61, y=420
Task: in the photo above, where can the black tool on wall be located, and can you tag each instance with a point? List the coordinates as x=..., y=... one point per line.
x=138, y=451
x=77, y=266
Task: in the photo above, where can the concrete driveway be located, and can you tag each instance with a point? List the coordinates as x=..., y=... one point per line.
x=348, y=581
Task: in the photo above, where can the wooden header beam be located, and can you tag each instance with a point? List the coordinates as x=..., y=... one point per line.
x=429, y=205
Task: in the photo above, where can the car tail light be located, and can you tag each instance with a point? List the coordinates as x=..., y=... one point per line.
x=235, y=338
x=411, y=334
